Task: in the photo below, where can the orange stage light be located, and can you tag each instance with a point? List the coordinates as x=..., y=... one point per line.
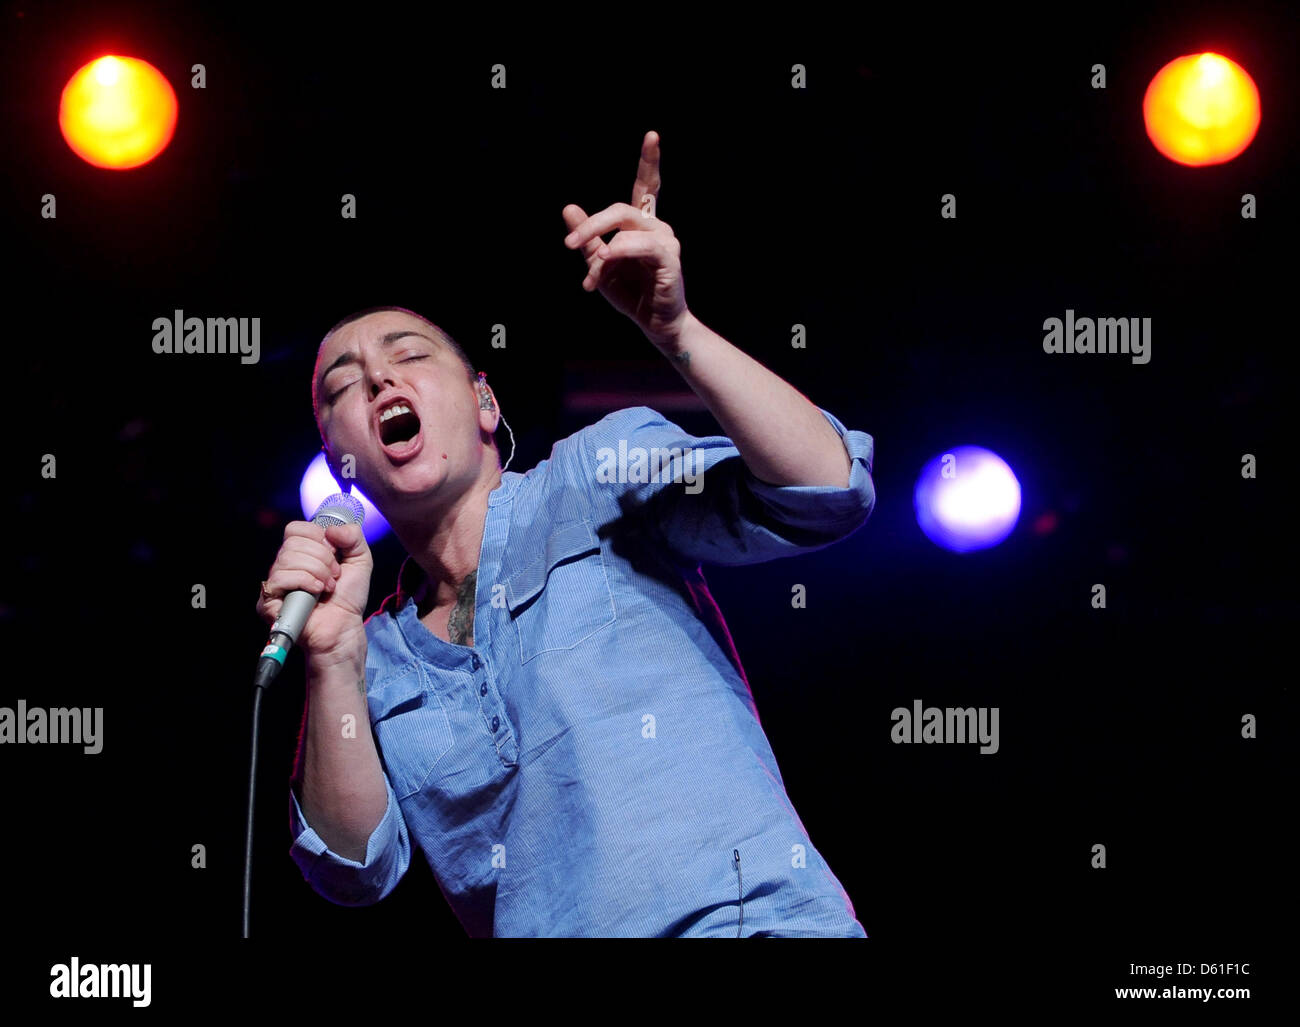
x=118, y=112
x=1201, y=109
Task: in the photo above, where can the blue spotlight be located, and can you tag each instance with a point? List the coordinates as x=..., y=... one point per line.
x=318, y=483
x=967, y=499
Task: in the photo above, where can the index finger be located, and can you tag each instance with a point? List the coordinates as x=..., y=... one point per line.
x=647, y=173
x=305, y=529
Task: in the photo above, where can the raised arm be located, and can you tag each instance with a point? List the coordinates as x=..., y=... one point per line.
x=782, y=437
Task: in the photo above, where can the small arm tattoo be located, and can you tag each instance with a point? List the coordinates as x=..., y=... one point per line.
x=683, y=358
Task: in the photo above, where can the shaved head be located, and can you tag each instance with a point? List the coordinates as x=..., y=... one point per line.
x=442, y=337
x=439, y=444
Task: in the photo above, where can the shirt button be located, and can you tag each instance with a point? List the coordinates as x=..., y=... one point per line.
x=495, y=722
x=482, y=689
x=475, y=660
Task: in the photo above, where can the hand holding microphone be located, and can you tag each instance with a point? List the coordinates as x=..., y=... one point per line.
x=313, y=597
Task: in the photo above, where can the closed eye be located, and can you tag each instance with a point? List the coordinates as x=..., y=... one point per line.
x=337, y=393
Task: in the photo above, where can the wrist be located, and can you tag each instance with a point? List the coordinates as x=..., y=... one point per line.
x=349, y=652
x=672, y=341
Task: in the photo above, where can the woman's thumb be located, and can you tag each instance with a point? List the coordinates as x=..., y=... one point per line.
x=349, y=539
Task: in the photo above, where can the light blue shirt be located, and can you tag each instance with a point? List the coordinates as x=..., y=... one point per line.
x=591, y=766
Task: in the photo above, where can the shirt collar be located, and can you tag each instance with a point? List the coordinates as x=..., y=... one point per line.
x=410, y=581
x=411, y=578
x=504, y=492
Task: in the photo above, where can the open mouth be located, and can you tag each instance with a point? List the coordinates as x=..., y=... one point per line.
x=399, y=428
x=399, y=433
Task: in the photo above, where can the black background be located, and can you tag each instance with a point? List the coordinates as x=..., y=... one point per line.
x=819, y=206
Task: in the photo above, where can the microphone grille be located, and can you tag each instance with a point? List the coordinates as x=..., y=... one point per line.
x=339, y=509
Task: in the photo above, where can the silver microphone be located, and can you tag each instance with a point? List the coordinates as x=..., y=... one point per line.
x=298, y=604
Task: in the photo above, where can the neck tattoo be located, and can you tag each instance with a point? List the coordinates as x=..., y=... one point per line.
x=460, y=623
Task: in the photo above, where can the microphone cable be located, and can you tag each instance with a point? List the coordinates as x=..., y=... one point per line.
x=740, y=892
x=252, y=794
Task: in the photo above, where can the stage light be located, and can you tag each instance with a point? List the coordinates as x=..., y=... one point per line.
x=118, y=112
x=1201, y=109
x=967, y=499
x=318, y=484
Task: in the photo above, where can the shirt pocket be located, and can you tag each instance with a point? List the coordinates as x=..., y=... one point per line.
x=412, y=728
x=563, y=597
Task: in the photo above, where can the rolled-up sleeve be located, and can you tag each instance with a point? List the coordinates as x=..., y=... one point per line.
x=713, y=509
x=345, y=881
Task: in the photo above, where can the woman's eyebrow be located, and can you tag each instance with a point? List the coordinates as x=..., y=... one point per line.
x=351, y=358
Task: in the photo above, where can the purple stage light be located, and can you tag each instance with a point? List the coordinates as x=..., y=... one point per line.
x=318, y=484
x=967, y=499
